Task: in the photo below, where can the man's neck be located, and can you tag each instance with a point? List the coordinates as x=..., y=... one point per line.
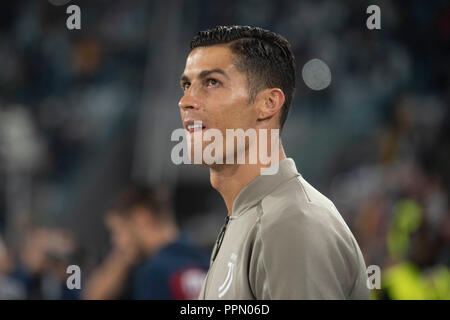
x=230, y=179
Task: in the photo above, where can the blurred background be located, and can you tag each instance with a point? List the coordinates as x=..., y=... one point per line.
x=86, y=113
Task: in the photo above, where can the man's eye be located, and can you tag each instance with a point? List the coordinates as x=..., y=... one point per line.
x=185, y=86
x=212, y=82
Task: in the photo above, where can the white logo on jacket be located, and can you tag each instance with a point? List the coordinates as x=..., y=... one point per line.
x=227, y=283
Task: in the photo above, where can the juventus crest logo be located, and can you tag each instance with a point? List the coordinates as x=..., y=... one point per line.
x=229, y=279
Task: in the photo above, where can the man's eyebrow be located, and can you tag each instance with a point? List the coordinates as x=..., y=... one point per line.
x=204, y=74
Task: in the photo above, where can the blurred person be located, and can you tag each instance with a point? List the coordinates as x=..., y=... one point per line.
x=42, y=263
x=282, y=239
x=150, y=257
x=113, y=278
x=414, y=271
x=10, y=288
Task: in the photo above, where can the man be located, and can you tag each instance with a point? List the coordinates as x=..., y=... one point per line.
x=150, y=259
x=282, y=239
x=39, y=270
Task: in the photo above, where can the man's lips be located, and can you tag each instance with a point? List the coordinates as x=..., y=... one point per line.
x=193, y=125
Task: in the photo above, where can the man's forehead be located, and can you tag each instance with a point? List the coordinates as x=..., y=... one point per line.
x=209, y=58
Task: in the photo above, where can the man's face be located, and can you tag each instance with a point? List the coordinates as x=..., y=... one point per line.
x=215, y=93
x=121, y=232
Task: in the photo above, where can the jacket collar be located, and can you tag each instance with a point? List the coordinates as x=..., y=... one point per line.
x=262, y=185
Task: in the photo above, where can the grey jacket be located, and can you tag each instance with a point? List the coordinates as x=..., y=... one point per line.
x=285, y=240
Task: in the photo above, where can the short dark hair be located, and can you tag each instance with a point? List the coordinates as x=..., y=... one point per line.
x=156, y=201
x=264, y=56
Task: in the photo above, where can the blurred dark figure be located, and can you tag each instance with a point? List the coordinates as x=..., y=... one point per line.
x=40, y=269
x=417, y=269
x=9, y=288
x=150, y=258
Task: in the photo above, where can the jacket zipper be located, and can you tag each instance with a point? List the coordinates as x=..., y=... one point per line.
x=220, y=238
x=214, y=254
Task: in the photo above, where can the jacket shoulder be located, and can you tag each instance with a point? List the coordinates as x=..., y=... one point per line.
x=297, y=219
x=297, y=200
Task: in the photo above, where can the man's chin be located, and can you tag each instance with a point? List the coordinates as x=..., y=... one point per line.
x=206, y=165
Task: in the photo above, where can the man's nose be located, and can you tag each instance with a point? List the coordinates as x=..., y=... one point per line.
x=188, y=101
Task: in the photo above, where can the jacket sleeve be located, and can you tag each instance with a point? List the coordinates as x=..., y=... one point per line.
x=294, y=257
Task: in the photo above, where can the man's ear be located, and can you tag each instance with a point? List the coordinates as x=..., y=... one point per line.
x=271, y=101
